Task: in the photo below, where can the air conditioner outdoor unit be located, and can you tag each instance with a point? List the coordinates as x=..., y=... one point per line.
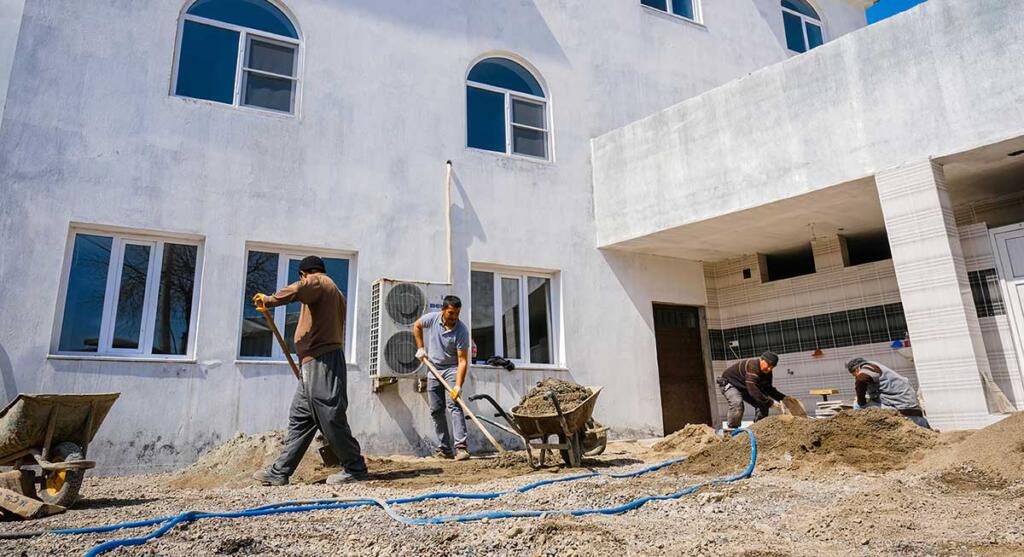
x=395, y=305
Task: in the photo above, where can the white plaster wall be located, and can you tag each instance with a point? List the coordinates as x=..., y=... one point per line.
x=942, y=78
x=92, y=136
x=10, y=23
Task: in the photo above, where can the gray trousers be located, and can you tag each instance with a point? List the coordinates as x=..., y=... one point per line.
x=320, y=402
x=436, y=397
x=735, y=397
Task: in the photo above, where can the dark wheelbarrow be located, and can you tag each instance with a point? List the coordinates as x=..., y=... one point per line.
x=578, y=433
x=53, y=432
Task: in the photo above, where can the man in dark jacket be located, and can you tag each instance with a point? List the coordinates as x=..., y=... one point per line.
x=750, y=381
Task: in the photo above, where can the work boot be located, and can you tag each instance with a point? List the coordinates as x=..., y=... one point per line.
x=461, y=454
x=266, y=477
x=344, y=477
x=440, y=452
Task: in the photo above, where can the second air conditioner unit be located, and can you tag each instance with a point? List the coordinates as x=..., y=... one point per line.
x=395, y=306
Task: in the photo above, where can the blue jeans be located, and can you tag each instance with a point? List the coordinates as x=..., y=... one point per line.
x=436, y=398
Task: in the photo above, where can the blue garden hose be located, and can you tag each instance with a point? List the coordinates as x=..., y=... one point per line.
x=167, y=523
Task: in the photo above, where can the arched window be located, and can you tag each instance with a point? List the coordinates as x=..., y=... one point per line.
x=238, y=52
x=506, y=110
x=803, y=25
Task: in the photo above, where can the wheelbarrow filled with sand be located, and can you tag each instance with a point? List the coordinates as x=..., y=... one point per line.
x=578, y=433
x=53, y=432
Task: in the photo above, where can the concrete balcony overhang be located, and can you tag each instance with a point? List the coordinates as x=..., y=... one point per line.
x=747, y=160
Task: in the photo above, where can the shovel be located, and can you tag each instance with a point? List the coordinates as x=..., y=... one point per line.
x=447, y=387
x=794, y=406
x=327, y=456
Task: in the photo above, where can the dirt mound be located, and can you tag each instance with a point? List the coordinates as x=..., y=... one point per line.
x=689, y=440
x=233, y=463
x=569, y=396
x=990, y=457
x=871, y=440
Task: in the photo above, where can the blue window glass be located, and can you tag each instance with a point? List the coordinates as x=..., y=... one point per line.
x=801, y=6
x=683, y=8
x=504, y=73
x=207, y=63
x=131, y=297
x=485, y=117
x=814, y=38
x=656, y=4
x=337, y=269
x=260, y=276
x=255, y=14
x=87, y=284
x=174, y=299
x=794, y=32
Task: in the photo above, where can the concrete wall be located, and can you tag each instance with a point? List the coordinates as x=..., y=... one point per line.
x=92, y=136
x=10, y=23
x=939, y=79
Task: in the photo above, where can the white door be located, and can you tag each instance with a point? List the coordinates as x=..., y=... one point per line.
x=1009, y=246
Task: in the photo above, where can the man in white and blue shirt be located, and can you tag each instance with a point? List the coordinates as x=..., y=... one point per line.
x=443, y=338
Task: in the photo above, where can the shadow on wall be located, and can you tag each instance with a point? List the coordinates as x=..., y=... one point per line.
x=464, y=217
x=994, y=345
x=624, y=266
x=7, y=375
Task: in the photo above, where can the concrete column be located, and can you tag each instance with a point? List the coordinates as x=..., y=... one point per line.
x=946, y=339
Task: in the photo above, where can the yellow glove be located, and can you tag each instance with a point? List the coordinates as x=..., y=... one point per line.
x=258, y=300
x=454, y=393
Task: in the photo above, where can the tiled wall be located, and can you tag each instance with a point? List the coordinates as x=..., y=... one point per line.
x=736, y=306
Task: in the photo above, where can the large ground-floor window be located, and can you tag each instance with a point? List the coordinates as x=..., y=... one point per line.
x=267, y=271
x=513, y=316
x=129, y=295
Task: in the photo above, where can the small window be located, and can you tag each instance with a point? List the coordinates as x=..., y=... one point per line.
x=506, y=110
x=687, y=9
x=267, y=272
x=129, y=296
x=789, y=264
x=215, y=33
x=865, y=248
x=512, y=317
x=988, y=299
x=803, y=25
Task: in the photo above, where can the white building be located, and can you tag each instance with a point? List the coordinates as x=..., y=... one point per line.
x=159, y=159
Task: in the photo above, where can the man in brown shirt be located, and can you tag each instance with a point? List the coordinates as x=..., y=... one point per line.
x=750, y=381
x=320, y=400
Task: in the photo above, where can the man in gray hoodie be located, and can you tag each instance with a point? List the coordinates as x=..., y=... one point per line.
x=894, y=391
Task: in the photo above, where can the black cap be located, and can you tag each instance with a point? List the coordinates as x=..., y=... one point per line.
x=771, y=357
x=855, y=363
x=312, y=263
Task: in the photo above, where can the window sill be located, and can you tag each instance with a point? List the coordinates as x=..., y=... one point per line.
x=112, y=358
x=513, y=157
x=241, y=108
x=238, y=362
x=522, y=367
x=674, y=17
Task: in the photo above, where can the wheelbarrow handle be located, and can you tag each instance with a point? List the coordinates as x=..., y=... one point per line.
x=497, y=407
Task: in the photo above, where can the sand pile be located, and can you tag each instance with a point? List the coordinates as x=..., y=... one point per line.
x=992, y=457
x=233, y=463
x=569, y=395
x=871, y=440
x=687, y=441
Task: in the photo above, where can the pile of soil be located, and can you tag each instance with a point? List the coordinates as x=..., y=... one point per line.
x=569, y=396
x=992, y=457
x=687, y=441
x=871, y=440
x=233, y=463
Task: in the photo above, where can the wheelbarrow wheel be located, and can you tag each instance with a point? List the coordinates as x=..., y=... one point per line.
x=61, y=487
x=595, y=439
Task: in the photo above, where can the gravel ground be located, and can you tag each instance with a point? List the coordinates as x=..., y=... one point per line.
x=769, y=515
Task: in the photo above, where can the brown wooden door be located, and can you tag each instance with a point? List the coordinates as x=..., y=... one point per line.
x=684, y=384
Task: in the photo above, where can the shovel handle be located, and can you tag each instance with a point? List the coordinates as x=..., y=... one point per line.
x=472, y=416
x=280, y=339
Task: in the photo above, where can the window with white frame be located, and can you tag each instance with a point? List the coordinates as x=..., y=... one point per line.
x=129, y=295
x=238, y=52
x=266, y=272
x=687, y=9
x=803, y=25
x=506, y=110
x=513, y=316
